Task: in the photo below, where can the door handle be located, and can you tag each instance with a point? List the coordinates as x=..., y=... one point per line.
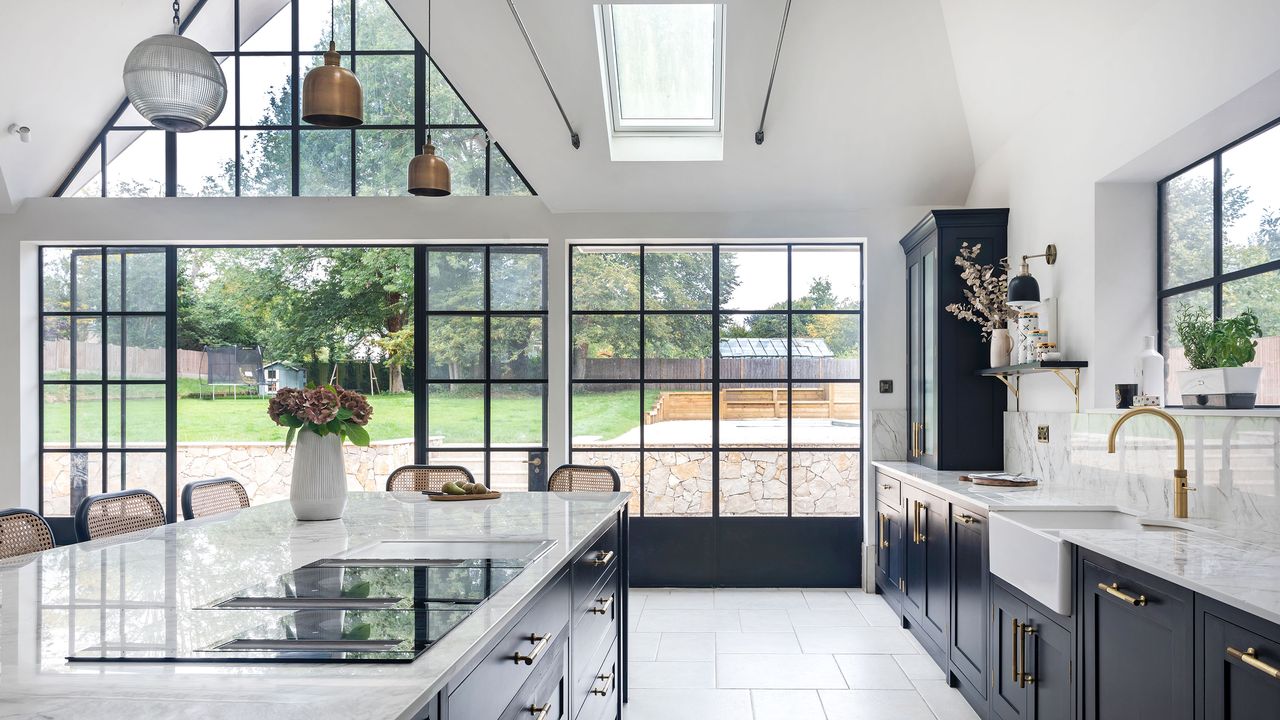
x=1250, y=657
x=1024, y=678
x=536, y=462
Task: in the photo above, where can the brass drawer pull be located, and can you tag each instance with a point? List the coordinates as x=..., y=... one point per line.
x=916, y=533
x=604, y=558
x=1250, y=657
x=540, y=643
x=886, y=486
x=1017, y=631
x=884, y=536
x=605, y=604
x=1114, y=591
x=540, y=713
x=606, y=677
x=966, y=518
x=1024, y=678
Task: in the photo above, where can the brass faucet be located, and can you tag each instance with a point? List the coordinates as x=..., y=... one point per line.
x=1180, y=488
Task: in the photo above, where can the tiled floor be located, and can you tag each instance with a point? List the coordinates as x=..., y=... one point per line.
x=779, y=654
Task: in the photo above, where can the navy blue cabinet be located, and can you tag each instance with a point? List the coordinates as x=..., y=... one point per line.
x=1032, y=660
x=927, y=569
x=1239, y=661
x=890, y=558
x=969, y=591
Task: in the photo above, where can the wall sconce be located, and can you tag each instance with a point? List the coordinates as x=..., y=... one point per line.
x=1024, y=291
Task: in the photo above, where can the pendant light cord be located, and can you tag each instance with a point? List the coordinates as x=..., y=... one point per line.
x=431, y=61
x=333, y=31
x=177, y=21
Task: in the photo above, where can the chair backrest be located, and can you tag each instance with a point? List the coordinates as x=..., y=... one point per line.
x=584, y=478
x=210, y=497
x=117, y=513
x=426, y=478
x=22, y=532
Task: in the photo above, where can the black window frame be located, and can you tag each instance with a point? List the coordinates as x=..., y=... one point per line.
x=420, y=127
x=715, y=382
x=1215, y=282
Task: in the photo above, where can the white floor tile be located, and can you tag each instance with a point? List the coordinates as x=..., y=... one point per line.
x=787, y=705
x=685, y=704
x=682, y=599
x=853, y=640
x=690, y=621
x=765, y=621
x=945, y=702
x=756, y=642
x=643, y=646
x=875, y=705
x=913, y=642
x=687, y=647
x=672, y=674
x=873, y=672
x=919, y=667
x=827, y=599
x=879, y=615
x=859, y=597
x=778, y=672
x=845, y=617
x=759, y=599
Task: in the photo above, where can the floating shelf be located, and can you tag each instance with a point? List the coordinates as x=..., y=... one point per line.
x=1061, y=368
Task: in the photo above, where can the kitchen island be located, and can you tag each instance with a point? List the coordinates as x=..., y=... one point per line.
x=150, y=592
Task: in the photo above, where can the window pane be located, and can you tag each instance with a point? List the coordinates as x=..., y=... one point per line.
x=753, y=415
x=455, y=280
x=753, y=347
x=825, y=483
x=324, y=163
x=1250, y=211
x=388, y=88
x=145, y=348
x=515, y=278
x=1175, y=358
x=455, y=415
x=226, y=118
x=135, y=163
x=825, y=346
x=214, y=26
x=455, y=348
x=447, y=108
x=266, y=26
x=750, y=278
x=627, y=465
x=464, y=151
x=266, y=163
x=825, y=414
x=677, y=415
x=83, y=416
x=606, y=278
x=677, y=347
x=665, y=63
x=56, y=278
x=825, y=278
x=677, y=278
x=141, y=470
x=606, y=414
x=87, y=182
x=1261, y=294
x=378, y=28
x=503, y=178
x=55, y=345
x=509, y=471
x=753, y=483
x=314, y=27
x=87, y=349
x=606, y=347
x=382, y=159
x=69, y=478
x=677, y=483
x=473, y=461
x=515, y=414
x=1188, y=226
x=265, y=85
x=86, y=275
x=144, y=417
x=206, y=163
x=144, y=278
x=516, y=348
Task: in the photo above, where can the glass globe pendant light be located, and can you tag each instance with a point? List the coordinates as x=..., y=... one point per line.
x=331, y=94
x=174, y=82
x=428, y=173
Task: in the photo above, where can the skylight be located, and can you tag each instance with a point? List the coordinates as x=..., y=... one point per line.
x=664, y=67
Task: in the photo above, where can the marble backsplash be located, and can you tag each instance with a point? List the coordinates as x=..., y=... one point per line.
x=1233, y=462
x=888, y=435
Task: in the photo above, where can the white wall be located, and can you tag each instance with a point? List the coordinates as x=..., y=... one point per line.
x=1179, y=81
x=275, y=220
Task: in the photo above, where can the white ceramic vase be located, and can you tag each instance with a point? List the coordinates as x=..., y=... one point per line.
x=1001, y=345
x=319, y=488
x=1151, y=370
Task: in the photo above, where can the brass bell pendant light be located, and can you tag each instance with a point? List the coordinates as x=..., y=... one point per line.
x=428, y=173
x=331, y=94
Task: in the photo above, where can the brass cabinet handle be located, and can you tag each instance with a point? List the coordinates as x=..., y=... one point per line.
x=603, y=558
x=540, y=713
x=1114, y=591
x=540, y=643
x=1024, y=678
x=608, y=685
x=917, y=534
x=1017, y=630
x=966, y=518
x=916, y=428
x=604, y=603
x=1250, y=657
x=886, y=486
x=884, y=536
x=605, y=677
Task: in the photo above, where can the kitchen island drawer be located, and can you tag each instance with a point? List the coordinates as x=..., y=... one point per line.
x=599, y=698
x=514, y=658
x=596, y=618
x=595, y=563
x=543, y=696
x=888, y=490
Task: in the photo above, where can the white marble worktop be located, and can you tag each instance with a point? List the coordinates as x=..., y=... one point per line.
x=147, y=587
x=1239, y=566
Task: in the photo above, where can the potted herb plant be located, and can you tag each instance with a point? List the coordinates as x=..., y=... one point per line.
x=320, y=418
x=1217, y=351
x=987, y=301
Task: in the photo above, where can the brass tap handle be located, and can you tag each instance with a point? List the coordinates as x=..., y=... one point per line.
x=1016, y=666
x=1114, y=591
x=602, y=558
x=1024, y=677
x=1250, y=657
x=605, y=604
x=540, y=643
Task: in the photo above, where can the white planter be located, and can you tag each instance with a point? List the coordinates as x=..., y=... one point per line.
x=319, y=487
x=1212, y=387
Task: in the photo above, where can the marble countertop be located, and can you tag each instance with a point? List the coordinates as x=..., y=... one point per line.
x=146, y=588
x=1237, y=566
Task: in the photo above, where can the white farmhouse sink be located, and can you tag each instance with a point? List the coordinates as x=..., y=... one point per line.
x=1028, y=552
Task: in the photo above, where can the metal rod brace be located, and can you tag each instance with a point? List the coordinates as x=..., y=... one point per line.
x=573, y=134
x=777, y=53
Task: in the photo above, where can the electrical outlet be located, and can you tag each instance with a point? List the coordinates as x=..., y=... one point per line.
x=886, y=387
x=1042, y=433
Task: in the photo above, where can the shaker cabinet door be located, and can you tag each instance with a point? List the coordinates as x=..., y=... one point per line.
x=1241, y=671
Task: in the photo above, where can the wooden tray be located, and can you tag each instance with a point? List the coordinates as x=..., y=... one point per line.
x=491, y=495
x=1001, y=482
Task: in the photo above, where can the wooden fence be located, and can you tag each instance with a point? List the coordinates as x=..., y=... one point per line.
x=835, y=401
x=139, y=362
x=754, y=372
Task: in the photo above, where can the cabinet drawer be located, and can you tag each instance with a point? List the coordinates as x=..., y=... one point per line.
x=888, y=490
x=599, y=699
x=520, y=652
x=543, y=695
x=1240, y=666
x=595, y=619
x=595, y=563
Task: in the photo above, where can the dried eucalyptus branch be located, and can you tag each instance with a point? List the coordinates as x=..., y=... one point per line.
x=988, y=292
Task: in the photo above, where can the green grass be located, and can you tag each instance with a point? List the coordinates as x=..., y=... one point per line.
x=457, y=417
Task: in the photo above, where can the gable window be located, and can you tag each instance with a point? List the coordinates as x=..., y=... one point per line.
x=259, y=145
x=1219, y=243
